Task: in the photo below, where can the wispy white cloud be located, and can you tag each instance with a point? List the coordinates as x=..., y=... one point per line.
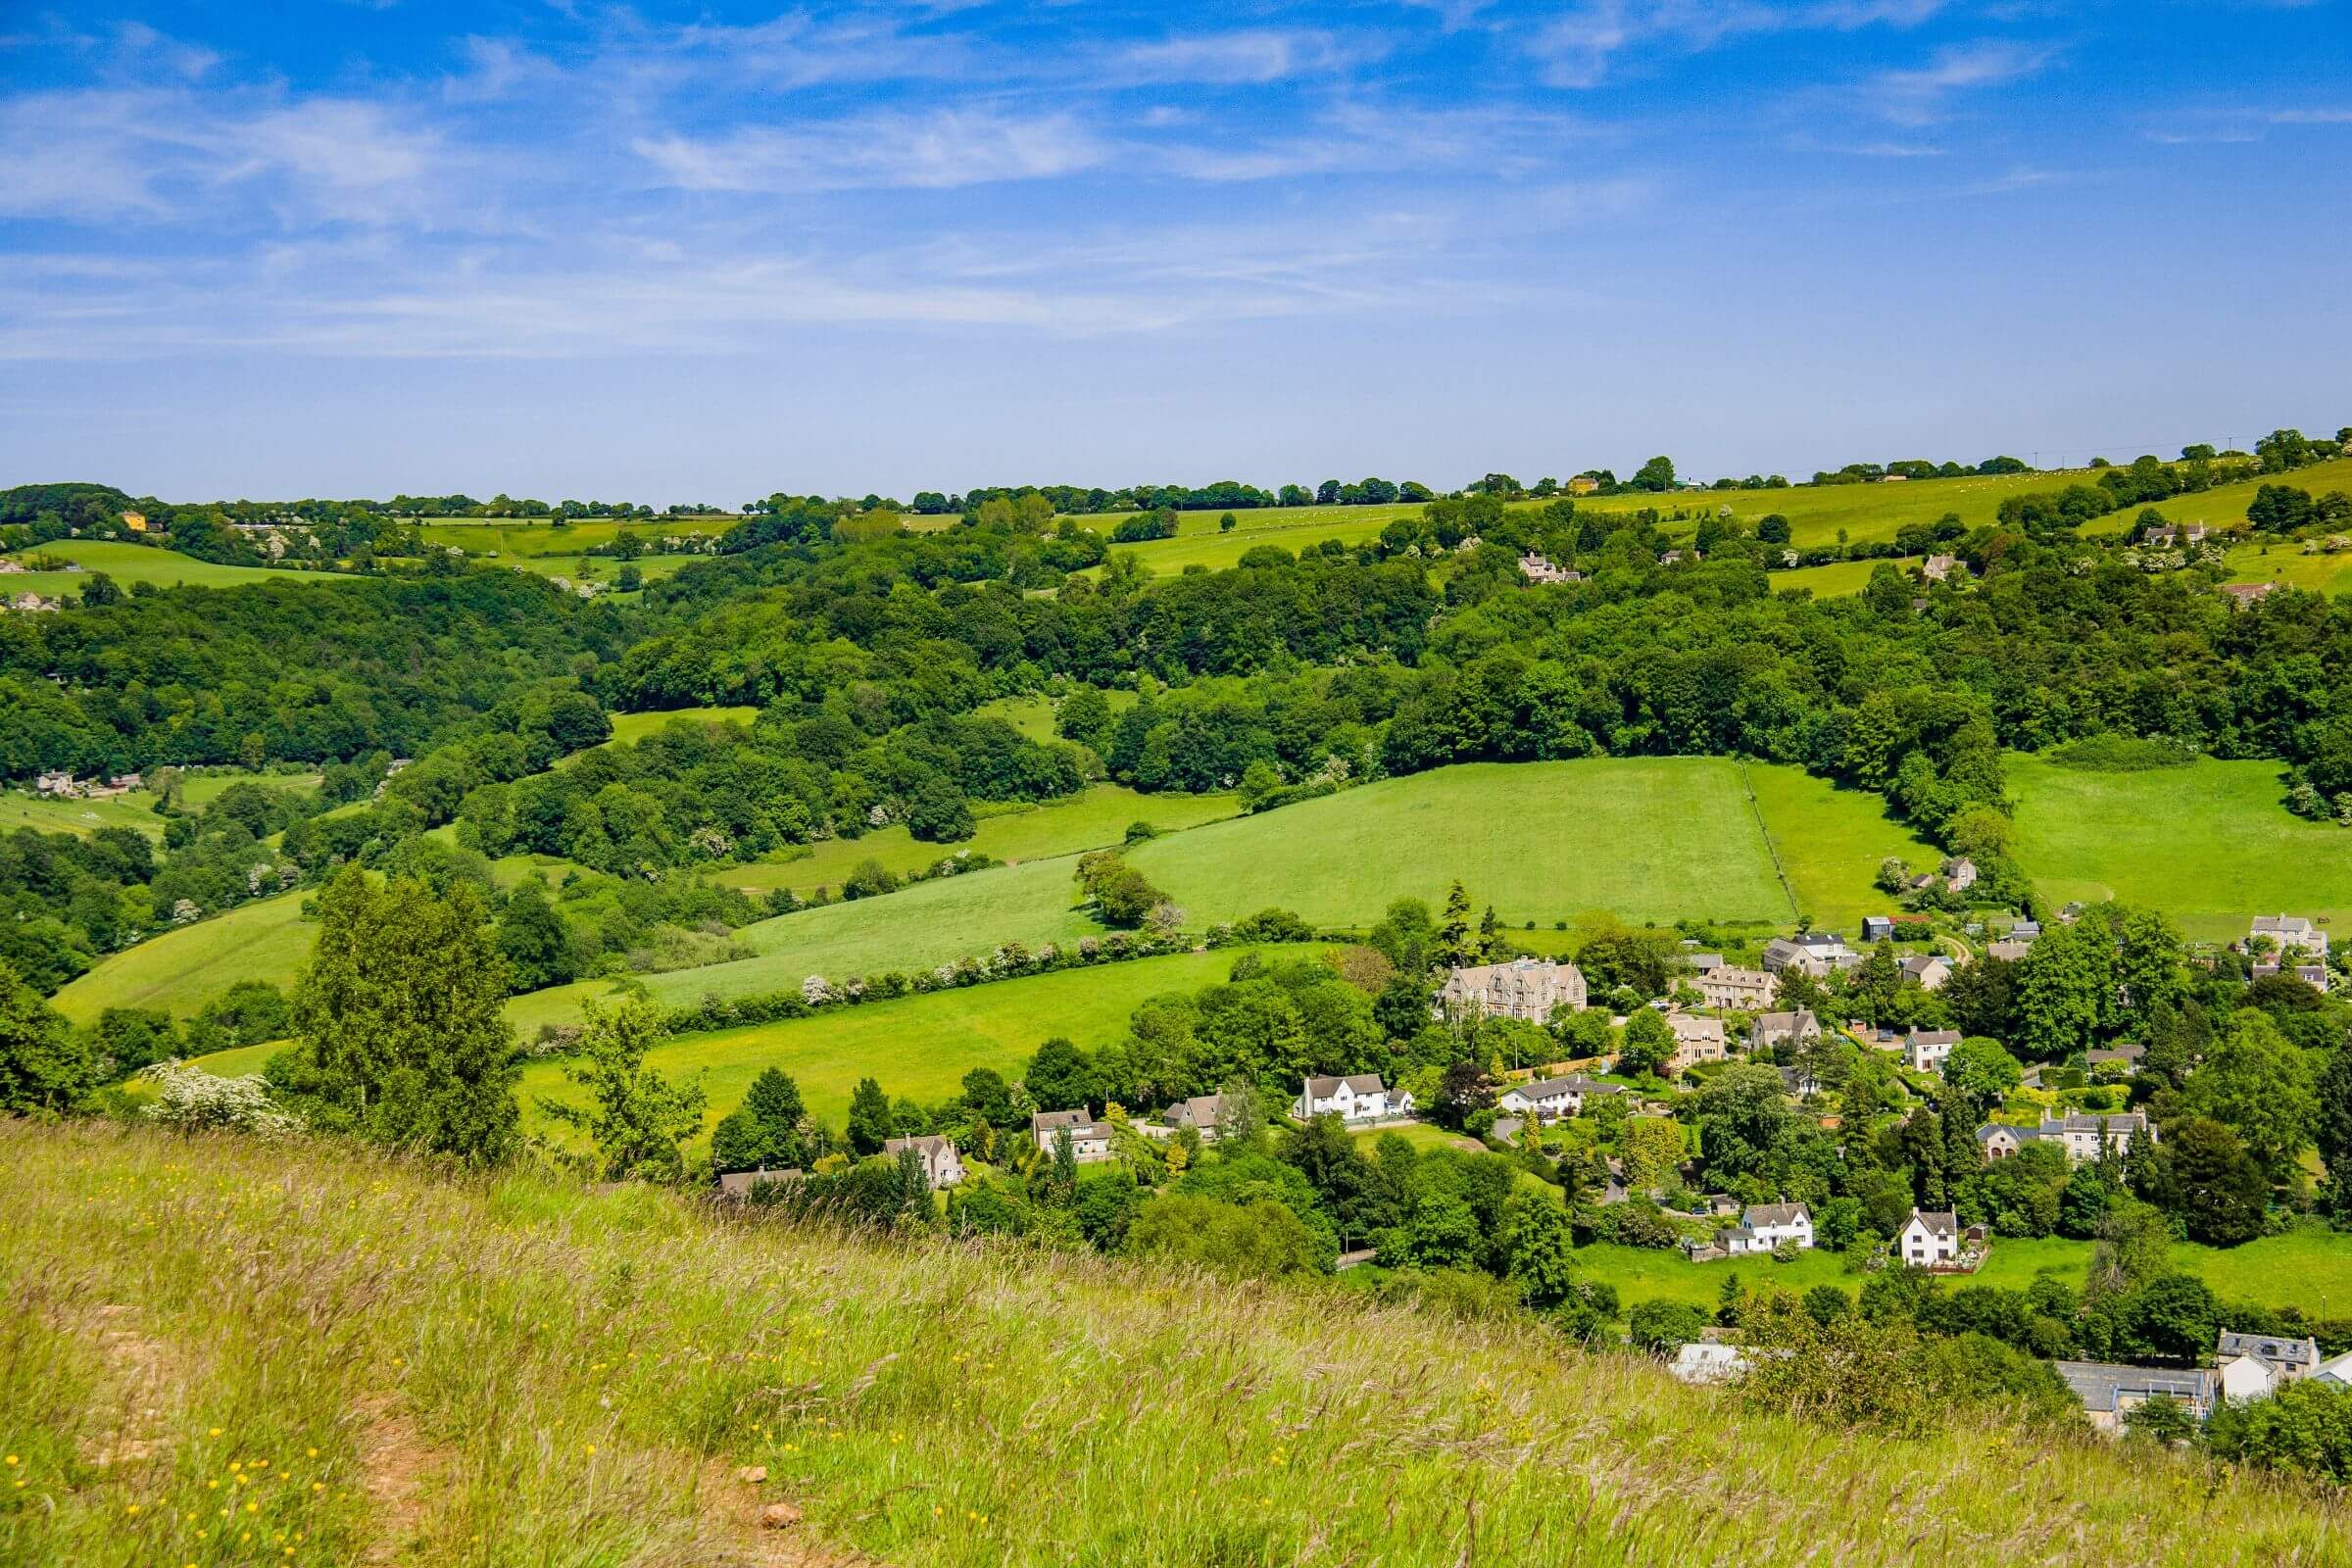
x=1251, y=55
x=1578, y=47
x=1922, y=95
x=940, y=150
x=98, y=153
x=2236, y=125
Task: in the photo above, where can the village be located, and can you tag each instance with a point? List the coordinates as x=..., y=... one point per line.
x=1720, y=1013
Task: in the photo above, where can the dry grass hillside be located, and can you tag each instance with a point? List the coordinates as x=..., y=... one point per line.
x=224, y=1352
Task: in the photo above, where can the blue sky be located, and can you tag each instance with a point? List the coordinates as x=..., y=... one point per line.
x=703, y=253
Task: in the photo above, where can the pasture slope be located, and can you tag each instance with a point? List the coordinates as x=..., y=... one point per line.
x=1817, y=515
x=135, y=809
x=917, y=1047
x=2208, y=844
x=1865, y=513
x=2310, y=1269
x=187, y=967
x=135, y=563
x=517, y=1368
x=1647, y=839
x=1097, y=817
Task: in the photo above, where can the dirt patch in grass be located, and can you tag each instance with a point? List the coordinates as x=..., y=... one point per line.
x=397, y=1466
x=145, y=1375
x=736, y=1534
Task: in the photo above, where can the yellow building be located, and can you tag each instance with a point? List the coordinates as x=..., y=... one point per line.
x=1582, y=485
x=135, y=521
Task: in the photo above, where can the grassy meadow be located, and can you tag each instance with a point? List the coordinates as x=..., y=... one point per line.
x=225, y=1351
x=2225, y=506
x=2308, y=1268
x=1816, y=515
x=1829, y=842
x=630, y=728
x=1646, y=838
x=128, y=563
x=1838, y=579
x=1096, y=819
x=188, y=966
x=134, y=809
x=917, y=1046
x=2208, y=844
x=510, y=537
x=2287, y=565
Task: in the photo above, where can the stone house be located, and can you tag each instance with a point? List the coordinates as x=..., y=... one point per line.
x=941, y=1165
x=2254, y=1366
x=1696, y=1039
x=1773, y=1028
x=1526, y=989
x=1736, y=989
x=1203, y=1113
x=1089, y=1140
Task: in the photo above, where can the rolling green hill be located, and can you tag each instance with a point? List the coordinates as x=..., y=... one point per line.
x=1647, y=838
x=1096, y=819
x=509, y=536
x=917, y=1046
x=132, y=563
x=514, y=1368
x=135, y=809
x=182, y=969
x=2208, y=844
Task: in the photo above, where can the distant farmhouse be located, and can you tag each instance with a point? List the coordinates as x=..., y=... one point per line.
x=2109, y=1392
x=2288, y=945
x=1927, y=1050
x=1799, y=1028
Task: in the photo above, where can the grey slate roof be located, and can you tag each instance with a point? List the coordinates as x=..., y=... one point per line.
x=2099, y=1385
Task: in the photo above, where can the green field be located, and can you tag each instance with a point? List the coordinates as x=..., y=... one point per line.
x=917, y=1047
x=1647, y=838
x=129, y=564
x=630, y=728
x=506, y=537
x=1094, y=820
x=1830, y=842
x=2209, y=844
x=182, y=969
x=1867, y=513
x=2285, y=563
x=2308, y=1268
x=50, y=814
x=136, y=809
x=601, y=568
x=2225, y=506
x=1033, y=716
x=1816, y=514
x=1839, y=578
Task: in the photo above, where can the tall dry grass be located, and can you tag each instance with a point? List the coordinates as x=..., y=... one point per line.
x=220, y=1351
